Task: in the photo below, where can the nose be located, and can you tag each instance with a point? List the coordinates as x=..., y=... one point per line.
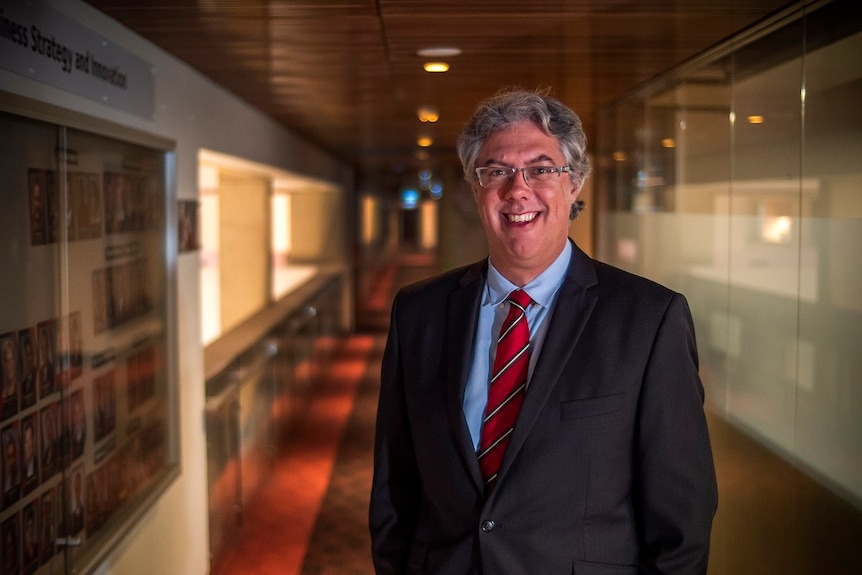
x=517, y=185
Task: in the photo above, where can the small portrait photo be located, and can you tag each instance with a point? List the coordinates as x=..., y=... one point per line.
x=88, y=206
x=110, y=492
x=75, y=497
x=120, y=308
x=10, y=544
x=187, y=224
x=105, y=409
x=28, y=367
x=9, y=438
x=53, y=207
x=117, y=203
x=72, y=184
x=9, y=373
x=139, y=280
x=45, y=339
x=61, y=354
x=50, y=453
x=100, y=301
x=77, y=431
x=98, y=506
x=141, y=377
x=76, y=344
x=29, y=453
x=38, y=208
x=30, y=555
x=49, y=525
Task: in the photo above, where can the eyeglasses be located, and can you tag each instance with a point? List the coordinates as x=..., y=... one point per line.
x=534, y=176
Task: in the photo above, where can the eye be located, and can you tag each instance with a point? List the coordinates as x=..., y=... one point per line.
x=498, y=172
x=541, y=170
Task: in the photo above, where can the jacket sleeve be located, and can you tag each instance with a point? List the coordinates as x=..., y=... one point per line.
x=676, y=495
x=396, y=488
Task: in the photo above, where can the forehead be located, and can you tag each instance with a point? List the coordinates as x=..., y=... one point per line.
x=522, y=141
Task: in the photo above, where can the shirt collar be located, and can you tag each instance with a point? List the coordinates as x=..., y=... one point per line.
x=541, y=289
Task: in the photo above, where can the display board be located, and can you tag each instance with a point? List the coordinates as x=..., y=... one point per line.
x=87, y=414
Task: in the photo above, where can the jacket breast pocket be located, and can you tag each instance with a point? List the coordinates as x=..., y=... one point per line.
x=591, y=407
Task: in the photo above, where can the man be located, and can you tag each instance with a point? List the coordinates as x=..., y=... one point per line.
x=10, y=545
x=9, y=357
x=31, y=538
x=30, y=467
x=49, y=440
x=48, y=526
x=28, y=368
x=607, y=467
x=11, y=477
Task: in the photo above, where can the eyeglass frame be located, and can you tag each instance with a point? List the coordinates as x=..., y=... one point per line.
x=559, y=170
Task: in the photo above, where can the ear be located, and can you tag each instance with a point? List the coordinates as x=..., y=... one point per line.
x=575, y=189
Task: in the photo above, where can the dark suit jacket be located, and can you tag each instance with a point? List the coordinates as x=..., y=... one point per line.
x=609, y=469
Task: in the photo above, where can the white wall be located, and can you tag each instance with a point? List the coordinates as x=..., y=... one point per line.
x=195, y=113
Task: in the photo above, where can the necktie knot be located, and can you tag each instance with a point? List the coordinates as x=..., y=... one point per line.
x=520, y=298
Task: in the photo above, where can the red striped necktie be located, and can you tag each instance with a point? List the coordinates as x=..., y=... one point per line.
x=506, y=387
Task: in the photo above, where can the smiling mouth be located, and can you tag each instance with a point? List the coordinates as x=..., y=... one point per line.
x=522, y=218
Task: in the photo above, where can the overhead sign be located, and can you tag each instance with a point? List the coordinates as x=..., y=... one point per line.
x=45, y=45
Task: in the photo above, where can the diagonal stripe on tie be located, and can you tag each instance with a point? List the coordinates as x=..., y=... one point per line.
x=506, y=387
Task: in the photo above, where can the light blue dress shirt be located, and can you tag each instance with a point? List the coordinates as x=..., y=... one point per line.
x=493, y=310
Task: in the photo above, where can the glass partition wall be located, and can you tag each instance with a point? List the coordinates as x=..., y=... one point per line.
x=736, y=180
x=87, y=412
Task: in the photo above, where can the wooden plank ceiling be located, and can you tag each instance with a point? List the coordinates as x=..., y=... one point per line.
x=346, y=75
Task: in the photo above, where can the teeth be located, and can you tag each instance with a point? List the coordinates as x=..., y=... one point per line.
x=522, y=217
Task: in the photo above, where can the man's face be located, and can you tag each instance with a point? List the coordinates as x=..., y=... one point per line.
x=523, y=249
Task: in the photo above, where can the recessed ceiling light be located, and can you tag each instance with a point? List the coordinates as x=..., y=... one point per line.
x=668, y=143
x=428, y=114
x=439, y=52
x=436, y=67
x=755, y=119
x=424, y=141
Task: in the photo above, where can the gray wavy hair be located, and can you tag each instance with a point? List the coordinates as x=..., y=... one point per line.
x=511, y=106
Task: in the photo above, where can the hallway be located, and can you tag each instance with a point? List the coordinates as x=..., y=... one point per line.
x=311, y=517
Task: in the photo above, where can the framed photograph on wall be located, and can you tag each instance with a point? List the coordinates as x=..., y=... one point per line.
x=88, y=294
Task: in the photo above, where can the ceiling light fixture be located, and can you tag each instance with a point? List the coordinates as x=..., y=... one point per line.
x=424, y=141
x=436, y=67
x=755, y=119
x=428, y=114
x=439, y=52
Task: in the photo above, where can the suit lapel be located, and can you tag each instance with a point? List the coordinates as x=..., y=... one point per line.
x=572, y=310
x=462, y=312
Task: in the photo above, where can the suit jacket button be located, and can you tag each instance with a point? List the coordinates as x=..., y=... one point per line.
x=487, y=526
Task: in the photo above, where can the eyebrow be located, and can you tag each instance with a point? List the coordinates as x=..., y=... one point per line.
x=540, y=158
